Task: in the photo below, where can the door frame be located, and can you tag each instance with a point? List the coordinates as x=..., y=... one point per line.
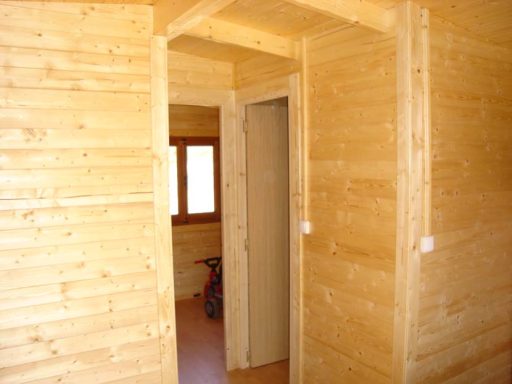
x=225, y=101
x=234, y=207
x=289, y=87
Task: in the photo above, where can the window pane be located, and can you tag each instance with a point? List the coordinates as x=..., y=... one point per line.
x=200, y=177
x=173, y=179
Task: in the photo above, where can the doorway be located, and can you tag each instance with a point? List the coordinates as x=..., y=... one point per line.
x=195, y=196
x=234, y=220
x=200, y=340
x=268, y=223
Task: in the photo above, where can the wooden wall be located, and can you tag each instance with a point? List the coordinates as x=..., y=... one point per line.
x=465, y=330
x=195, y=241
x=77, y=266
x=193, y=121
x=349, y=258
x=261, y=68
x=190, y=71
x=190, y=243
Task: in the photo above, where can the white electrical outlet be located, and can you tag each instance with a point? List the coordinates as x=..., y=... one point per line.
x=427, y=244
x=305, y=227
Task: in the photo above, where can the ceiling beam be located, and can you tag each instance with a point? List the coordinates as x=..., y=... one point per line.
x=356, y=12
x=173, y=18
x=225, y=32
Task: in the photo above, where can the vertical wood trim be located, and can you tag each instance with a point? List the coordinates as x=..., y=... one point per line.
x=163, y=241
x=427, y=124
x=305, y=126
x=295, y=132
x=297, y=362
x=230, y=243
x=243, y=236
x=411, y=77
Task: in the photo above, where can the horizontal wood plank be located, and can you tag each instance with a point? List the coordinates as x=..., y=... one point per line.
x=43, y=58
x=70, y=308
x=42, y=237
x=29, y=138
x=75, y=100
x=15, y=118
x=55, y=293
x=69, y=80
x=80, y=362
x=72, y=158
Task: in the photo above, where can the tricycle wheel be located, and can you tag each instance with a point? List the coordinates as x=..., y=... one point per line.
x=212, y=308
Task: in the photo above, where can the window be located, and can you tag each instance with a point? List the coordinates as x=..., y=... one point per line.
x=194, y=179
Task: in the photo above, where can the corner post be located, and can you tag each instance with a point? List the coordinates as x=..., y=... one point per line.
x=163, y=236
x=413, y=117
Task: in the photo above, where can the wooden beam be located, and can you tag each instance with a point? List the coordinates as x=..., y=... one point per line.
x=357, y=12
x=172, y=18
x=412, y=143
x=163, y=240
x=228, y=33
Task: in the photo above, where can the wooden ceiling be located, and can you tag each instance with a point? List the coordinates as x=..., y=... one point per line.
x=490, y=19
x=278, y=17
x=245, y=26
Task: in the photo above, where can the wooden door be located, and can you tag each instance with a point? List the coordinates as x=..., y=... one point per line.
x=268, y=233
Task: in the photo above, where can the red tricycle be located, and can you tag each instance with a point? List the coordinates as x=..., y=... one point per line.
x=213, y=287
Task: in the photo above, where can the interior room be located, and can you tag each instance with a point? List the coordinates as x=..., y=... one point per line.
x=349, y=160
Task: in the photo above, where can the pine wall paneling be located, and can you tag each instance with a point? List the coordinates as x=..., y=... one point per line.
x=193, y=242
x=77, y=242
x=194, y=72
x=349, y=259
x=464, y=329
x=193, y=121
x=78, y=282
x=262, y=68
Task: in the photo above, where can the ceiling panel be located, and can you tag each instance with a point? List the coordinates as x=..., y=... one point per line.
x=490, y=19
x=277, y=17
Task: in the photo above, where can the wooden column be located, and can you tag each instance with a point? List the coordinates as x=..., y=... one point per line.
x=412, y=132
x=296, y=154
x=163, y=241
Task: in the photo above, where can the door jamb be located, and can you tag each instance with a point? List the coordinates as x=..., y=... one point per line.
x=225, y=100
x=288, y=86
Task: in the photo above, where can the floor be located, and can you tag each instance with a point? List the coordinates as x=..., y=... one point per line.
x=201, y=351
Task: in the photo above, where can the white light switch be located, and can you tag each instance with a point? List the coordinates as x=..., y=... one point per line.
x=305, y=227
x=427, y=244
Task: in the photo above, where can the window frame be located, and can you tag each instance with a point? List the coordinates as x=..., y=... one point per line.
x=181, y=143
